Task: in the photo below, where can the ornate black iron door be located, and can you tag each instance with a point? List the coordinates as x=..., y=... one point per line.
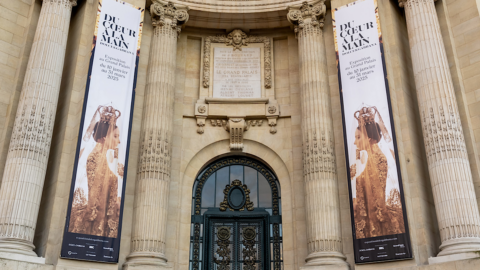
x=237, y=244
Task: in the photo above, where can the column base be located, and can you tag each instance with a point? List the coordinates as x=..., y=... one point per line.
x=17, y=246
x=326, y=260
x=325, y=267
x=133, y=266
x=459, y=245
x=146, y=260
x=457, y=249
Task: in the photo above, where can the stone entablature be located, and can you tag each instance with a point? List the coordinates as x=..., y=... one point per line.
x=238, y=6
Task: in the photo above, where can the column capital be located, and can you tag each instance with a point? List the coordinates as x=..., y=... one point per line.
x=168, y=13
x=72, y=2
x=403, y=3
x=307, y=14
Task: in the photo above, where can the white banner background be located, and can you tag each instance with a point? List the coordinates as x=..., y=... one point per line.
x=106, y=88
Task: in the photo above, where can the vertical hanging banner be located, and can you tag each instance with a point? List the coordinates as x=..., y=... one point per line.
x=94, y=217
x=379, y=220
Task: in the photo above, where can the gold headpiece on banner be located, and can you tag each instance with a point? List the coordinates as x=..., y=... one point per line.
x=105, y=114
x=366, y=116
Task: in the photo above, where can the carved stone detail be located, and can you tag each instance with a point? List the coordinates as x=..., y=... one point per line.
x=218, y=122
x=223, y=123
x=201, y=124
x=409, y=3
x=29, y=148
x=307, y=18
x=168, y=14
x=202, y=109
x=237, y=38
x=272, y=122
x=236, y=127
x=253, y=123
x=272, y=109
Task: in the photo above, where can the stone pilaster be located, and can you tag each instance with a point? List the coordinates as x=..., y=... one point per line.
x=448, y=164
x=26, y=164
x=153, y=178
x=324, y=236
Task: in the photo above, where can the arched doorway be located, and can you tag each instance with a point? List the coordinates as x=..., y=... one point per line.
x=236, y=217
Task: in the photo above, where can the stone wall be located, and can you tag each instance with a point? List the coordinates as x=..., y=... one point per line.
x=18, y=21
x=282, y=151
x=460, y=25
x=55, y=197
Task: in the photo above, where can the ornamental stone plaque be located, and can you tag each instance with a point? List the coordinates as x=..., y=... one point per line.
x=237, y=73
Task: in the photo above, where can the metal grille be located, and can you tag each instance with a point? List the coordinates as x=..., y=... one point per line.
x=241, y=250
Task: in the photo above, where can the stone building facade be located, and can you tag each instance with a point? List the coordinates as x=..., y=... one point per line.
x=432, y=54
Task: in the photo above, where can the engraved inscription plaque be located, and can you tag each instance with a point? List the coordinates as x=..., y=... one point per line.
x=237, y=74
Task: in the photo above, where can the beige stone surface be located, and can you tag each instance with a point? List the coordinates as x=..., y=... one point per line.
x=282, y=151
x=8, y=264
x=29, y=148
x=154, y=162
x=324, y=236
x=451, y=176
x=459, y=23
x=54, y=204
x=18, y=21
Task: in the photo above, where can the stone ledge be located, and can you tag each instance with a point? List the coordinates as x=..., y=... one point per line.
x=454, y=257
x=325, y=267
x=21, y=258
x=14, y=263
x=210, y=100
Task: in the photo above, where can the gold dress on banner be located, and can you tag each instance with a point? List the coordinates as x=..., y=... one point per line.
x=377, y=209
x=96, y=203
x=102, y=209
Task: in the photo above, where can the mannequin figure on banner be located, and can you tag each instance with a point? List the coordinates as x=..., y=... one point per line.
x=377, y=205
x=96, y=202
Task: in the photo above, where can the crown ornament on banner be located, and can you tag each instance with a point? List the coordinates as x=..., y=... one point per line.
x=366, y=116
x=105, y=114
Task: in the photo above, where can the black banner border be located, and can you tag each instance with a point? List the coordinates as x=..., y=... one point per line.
x=116, y=241
x=397, y=159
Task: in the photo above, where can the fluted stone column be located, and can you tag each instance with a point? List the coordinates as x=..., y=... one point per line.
x=324, y=236
x=151, y=193
x=26, y=164
x=448, y=164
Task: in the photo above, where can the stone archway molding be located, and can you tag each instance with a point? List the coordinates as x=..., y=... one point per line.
x=209, y=154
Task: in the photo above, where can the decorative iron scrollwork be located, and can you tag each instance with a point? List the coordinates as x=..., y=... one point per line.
x=249, y=250
x=196, y=246
x=237, y=161
x=223, y=250
x=226, y=204
x=276, y=246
